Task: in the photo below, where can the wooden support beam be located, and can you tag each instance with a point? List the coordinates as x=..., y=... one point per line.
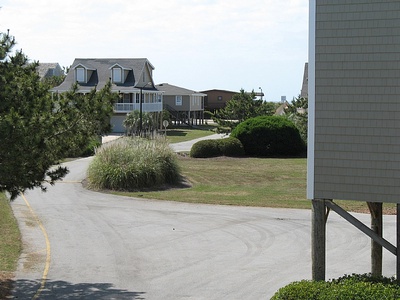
x=361, y=226
x=318, y=240
x=398, y=243
x=376, y=226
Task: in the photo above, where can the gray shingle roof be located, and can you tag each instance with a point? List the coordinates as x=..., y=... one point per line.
x=101, y=73
x=49, y=69
x=173, y=90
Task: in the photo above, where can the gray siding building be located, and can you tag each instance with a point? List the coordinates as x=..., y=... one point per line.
x=354, y=100
x=184, y=105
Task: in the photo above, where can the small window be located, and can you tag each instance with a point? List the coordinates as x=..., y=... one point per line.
x=127, y=98
x=219, y=98
x=117, y=75
x=178, y=100
x=80, y=74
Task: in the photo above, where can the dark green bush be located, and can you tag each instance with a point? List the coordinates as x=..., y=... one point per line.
x=211, y=148
x=363, y=287
x=92, y=145
x=84, y=148
x=204, y=149
x=208, y=115
x=301, y=290
x=269, y=136
x=231, y=146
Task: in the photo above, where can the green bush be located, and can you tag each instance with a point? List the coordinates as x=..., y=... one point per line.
x=205, y=148
x=231, y=146
x=93, y=144
x=221, y=147
x=133, y=163
x=363, y=287
x=269, y=136
x=83, y=148
x=208, y=115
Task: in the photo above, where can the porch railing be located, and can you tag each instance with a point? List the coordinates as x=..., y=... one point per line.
x=146, y=107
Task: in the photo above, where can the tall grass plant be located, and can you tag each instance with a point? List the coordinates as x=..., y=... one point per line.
x=133, y=163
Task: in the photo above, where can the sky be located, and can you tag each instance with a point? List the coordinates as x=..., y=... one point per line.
x=195, y=44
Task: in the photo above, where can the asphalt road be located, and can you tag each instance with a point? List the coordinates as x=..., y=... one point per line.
x=80, y=244
x=186, y=146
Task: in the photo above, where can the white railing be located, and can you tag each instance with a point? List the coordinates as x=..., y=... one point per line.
x=146, y=107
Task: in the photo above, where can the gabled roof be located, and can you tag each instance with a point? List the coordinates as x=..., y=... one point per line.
x=218, y=90
x=101, y=72
x=49, y=69
x=173, y=90
x=117, y=65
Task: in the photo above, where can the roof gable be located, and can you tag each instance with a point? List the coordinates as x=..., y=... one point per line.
x=173, y=90
x=101, y=68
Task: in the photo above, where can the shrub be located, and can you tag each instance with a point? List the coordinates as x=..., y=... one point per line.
x=231, y=146
x=366, y=287
x=133, y=163
x=211, y=148
x=93, y=144
x=205, y=148
x=84, y=148
x=301, y=290
x=208, y=115
x=269, y=136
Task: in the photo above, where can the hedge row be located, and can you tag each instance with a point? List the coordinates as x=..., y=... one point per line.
x=363, y=287
x=221, y=147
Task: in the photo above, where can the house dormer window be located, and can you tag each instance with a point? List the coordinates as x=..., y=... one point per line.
x=80, y=74
x=117, y=75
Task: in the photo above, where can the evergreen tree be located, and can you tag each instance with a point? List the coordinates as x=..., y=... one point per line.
x=37, y=128
x=241, y=107
x=297, y=112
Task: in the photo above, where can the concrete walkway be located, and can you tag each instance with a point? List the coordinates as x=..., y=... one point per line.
x=186, y=146
x=177, y=147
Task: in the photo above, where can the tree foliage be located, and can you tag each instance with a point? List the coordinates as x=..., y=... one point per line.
x=132, y=123
x=37, y=128
x=297, y=112
x=241, y=107
x=267, y=136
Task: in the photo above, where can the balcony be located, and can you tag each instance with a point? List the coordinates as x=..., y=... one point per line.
x=146, y=107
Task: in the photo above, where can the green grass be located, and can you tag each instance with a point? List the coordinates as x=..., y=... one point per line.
x=263, y=182
x=183, y=134
x=240, y=181
x=10, y=244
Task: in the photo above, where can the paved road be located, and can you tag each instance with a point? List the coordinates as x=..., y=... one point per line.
x=186, y=146
x=100, y=246
x=177, y=147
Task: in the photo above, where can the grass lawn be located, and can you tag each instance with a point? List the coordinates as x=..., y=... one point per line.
x=183, y=134
x=263, y=182
x=10, y=245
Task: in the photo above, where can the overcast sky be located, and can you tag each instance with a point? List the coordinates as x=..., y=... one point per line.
x=195, y=44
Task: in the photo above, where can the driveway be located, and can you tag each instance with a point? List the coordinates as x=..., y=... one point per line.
x=80, y=244
x=186, y=146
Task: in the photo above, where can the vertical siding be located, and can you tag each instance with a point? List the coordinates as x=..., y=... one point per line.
x=357, y=100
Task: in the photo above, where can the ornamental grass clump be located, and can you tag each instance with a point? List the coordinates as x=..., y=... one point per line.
x=132, y=164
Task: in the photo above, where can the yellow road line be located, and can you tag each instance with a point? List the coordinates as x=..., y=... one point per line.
x=48, y=253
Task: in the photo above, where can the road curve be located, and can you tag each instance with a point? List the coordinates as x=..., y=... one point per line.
x=102, y=246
